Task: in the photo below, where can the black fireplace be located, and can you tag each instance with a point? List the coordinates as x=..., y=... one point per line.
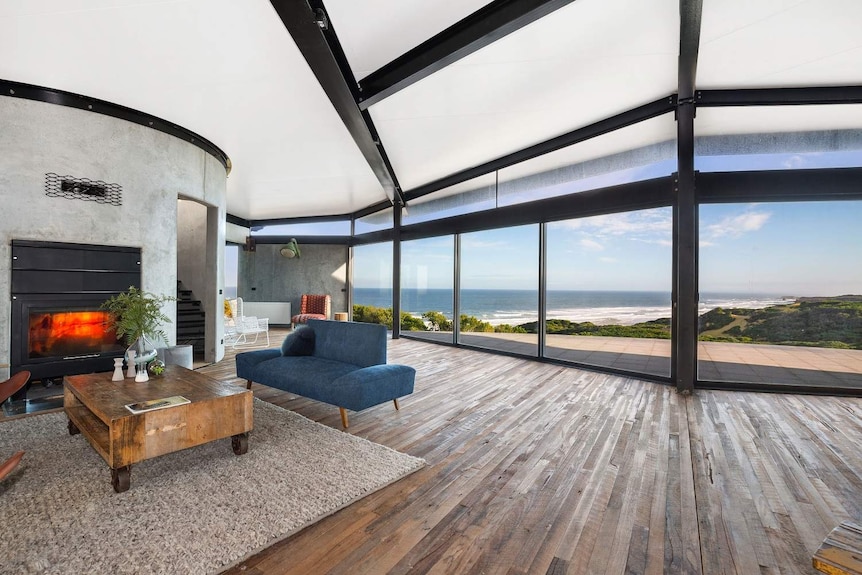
x=57, y=326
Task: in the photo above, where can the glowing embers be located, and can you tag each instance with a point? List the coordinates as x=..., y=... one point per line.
x=64, y=333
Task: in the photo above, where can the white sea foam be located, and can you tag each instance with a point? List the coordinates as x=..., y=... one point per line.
x=608, y=308
x=622, y=315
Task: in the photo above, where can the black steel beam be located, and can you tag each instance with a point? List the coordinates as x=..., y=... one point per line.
x=633, y=116
x=685, y=318
x=685, y=248
x=541, y=325
x=689, y=43
x=302, y=220
x=232, y=219
x=373, y=237
x=311, y=240
x=396, y=273
x=780, y=96
x=646, y=194
x=479, y=29
x=372, y=209
x=780, y=185
x=314, y=35
x=72, y=100
x=456, y=287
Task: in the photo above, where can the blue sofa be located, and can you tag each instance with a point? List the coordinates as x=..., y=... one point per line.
x=336, y=362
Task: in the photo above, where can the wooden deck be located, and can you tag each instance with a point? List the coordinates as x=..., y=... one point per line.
x=536, y=468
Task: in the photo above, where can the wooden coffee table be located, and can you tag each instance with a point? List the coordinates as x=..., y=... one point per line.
x=95, y=406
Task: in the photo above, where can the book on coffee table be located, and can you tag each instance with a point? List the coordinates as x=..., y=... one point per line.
x=143, y=406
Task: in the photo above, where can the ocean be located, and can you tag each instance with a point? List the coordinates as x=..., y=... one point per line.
x=521, y=306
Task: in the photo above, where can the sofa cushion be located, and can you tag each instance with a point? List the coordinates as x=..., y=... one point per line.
x=362, y=344
x=303, y=375
x=299, y=342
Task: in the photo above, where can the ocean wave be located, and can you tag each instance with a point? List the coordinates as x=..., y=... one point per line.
x=617, y=315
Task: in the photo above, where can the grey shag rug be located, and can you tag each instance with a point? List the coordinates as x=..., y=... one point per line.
x=196, y=511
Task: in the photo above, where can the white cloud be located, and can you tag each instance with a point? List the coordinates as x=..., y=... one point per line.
x=652, y=226
x=567, y=225
x=608, y=260
x=646, y=222
x=591, y=245
x=658, y=242
x=736, y=226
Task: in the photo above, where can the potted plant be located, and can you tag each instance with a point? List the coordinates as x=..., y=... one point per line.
x=137, y=317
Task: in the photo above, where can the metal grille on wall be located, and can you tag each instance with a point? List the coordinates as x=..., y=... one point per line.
x=71, y=188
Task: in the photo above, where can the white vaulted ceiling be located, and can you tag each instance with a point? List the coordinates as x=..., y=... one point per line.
x=230, y=71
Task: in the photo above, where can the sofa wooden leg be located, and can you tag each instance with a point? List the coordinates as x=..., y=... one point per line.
x=343, y=417
x=395, y=401
x=248, y=384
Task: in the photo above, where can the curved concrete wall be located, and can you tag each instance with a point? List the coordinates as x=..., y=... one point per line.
x=153, y=168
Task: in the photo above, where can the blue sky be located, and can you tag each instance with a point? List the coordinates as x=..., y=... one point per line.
x=787, y=249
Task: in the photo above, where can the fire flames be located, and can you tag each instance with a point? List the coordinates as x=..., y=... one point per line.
x=70, y=332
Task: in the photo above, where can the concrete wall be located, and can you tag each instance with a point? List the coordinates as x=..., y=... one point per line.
x=153, y=168
x=265, y=275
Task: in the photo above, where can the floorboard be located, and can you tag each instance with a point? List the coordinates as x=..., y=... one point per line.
x=537, y=468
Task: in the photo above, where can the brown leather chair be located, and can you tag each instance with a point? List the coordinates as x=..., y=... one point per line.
x=313, y=307
x=7, y=388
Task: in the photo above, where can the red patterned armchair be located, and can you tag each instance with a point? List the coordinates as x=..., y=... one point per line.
x=313, y=307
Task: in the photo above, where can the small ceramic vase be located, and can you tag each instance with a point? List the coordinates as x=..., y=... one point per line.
x=130, y=372
x=118, y=369
x=142, y=374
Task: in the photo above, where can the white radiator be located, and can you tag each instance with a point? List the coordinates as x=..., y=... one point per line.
x=278, y=312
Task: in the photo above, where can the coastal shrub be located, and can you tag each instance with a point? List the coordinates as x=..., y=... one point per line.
x=715, y=319
x=438, y=321
x=506, y=328
x=470, y=323
x=371, y=314
x=809, y=322
x=656, y=329
x=383, y=316
x=412, y=323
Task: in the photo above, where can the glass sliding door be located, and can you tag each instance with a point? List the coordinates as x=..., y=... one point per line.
x=781, y=294
x=499, y=293
x=609, y=291
x=372, y=283
x=427, y=288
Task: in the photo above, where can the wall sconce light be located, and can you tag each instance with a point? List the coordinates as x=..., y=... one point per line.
x=291, y=250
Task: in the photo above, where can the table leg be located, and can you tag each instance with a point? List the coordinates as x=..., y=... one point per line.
x=239, y=443
x=73, y=429
x=121, y=478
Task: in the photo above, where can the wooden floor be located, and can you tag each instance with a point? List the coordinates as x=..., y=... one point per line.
x=536, y=468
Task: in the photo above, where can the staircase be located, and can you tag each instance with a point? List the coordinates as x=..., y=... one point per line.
x=191, y=320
